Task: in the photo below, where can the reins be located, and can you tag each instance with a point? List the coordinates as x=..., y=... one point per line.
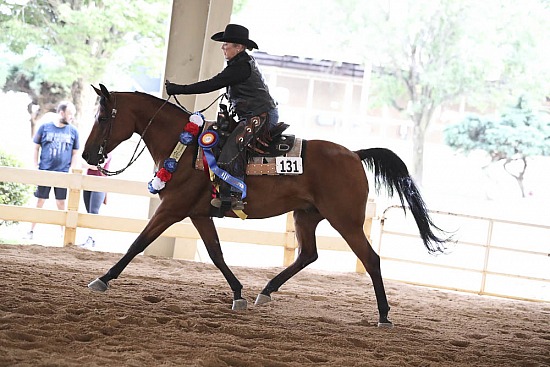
x=134, y=156
x=201, y=111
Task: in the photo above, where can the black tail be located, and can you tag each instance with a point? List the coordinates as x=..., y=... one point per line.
x=391, y=171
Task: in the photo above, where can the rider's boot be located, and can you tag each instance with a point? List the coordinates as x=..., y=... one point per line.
x=216, y=202
x=224, y=196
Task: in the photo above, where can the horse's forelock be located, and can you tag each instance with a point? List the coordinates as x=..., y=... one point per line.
x=103, y=105
x=102, y=101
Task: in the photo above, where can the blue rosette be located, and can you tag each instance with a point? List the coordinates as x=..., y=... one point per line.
x=170, y=165
x=186, y=138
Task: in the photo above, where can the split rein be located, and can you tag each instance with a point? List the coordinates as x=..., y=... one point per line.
x=134, y=156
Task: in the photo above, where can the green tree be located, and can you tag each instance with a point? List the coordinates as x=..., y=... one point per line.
x=12, y=193
x=519, y=133
x=434, y=53
x=57, y=48
x=238, y=5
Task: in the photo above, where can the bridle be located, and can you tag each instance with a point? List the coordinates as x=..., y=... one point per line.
x=135, y=155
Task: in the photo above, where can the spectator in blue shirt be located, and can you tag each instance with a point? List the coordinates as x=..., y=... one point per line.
x=56, y=149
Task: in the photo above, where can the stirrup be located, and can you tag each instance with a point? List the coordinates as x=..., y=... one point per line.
x=237, y=204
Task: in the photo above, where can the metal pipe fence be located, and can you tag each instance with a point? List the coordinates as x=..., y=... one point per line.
x=491, y=256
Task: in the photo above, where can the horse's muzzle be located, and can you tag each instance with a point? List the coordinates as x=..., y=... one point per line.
x=93, y=159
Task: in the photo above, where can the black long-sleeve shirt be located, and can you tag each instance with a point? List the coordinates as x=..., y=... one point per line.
x=248, y=93
x=237, y=71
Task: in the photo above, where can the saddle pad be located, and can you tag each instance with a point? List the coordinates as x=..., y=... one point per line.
x=258, y=165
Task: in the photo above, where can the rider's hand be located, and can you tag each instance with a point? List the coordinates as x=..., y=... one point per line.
x=172, y=88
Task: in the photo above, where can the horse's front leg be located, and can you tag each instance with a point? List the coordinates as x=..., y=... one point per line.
x=158, y=223
x=207, y=231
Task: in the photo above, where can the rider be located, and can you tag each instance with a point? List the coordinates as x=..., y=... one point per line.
x=248, y=96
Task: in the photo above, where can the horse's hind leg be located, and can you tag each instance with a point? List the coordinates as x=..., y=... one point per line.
x=371, y=261
x=352, y=231
x=209, y=235
x=305, y=222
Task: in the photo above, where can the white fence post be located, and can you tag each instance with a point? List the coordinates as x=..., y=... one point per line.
x=486, y=257
x=367, y=228
x=73, y=200
x=290, y=241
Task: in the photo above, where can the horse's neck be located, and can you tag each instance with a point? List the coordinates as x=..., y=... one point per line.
x=160, y=130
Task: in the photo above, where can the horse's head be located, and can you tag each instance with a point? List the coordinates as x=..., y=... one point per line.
x=106, y=134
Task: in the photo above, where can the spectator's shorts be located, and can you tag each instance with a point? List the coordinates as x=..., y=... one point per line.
x=43, y=192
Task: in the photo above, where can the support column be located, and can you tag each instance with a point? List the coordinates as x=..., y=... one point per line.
x=192, y=56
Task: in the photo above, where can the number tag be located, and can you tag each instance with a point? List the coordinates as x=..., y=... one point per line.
x=289, y=165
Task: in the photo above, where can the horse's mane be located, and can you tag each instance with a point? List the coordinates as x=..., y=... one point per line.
x=147, y=95
x=157, y=100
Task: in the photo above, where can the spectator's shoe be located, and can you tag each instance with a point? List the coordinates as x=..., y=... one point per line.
x=89, y=244
x=29, y=235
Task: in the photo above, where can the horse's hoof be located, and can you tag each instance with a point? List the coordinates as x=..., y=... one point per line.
x=239, y=304
x=385, y=325
x=98, y=285
x=261, y=299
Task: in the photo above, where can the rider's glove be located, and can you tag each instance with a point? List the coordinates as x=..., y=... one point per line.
x=172, y=88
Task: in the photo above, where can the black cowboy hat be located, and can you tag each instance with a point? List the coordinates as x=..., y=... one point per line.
x=236, y=34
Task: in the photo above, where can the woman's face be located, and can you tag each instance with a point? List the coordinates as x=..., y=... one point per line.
x=231, y=49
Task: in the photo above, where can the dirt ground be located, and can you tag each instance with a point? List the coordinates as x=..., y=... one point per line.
x=164, y=312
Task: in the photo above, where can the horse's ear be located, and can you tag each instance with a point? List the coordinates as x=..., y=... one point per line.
x=104, y=91
x=98, y=92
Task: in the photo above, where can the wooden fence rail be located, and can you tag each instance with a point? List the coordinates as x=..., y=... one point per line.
x=186, y=237
x=183, y=232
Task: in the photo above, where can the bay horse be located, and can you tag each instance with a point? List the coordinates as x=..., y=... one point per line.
x=333, y=186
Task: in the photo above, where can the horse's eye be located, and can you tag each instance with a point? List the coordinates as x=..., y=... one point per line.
x=102, y=119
